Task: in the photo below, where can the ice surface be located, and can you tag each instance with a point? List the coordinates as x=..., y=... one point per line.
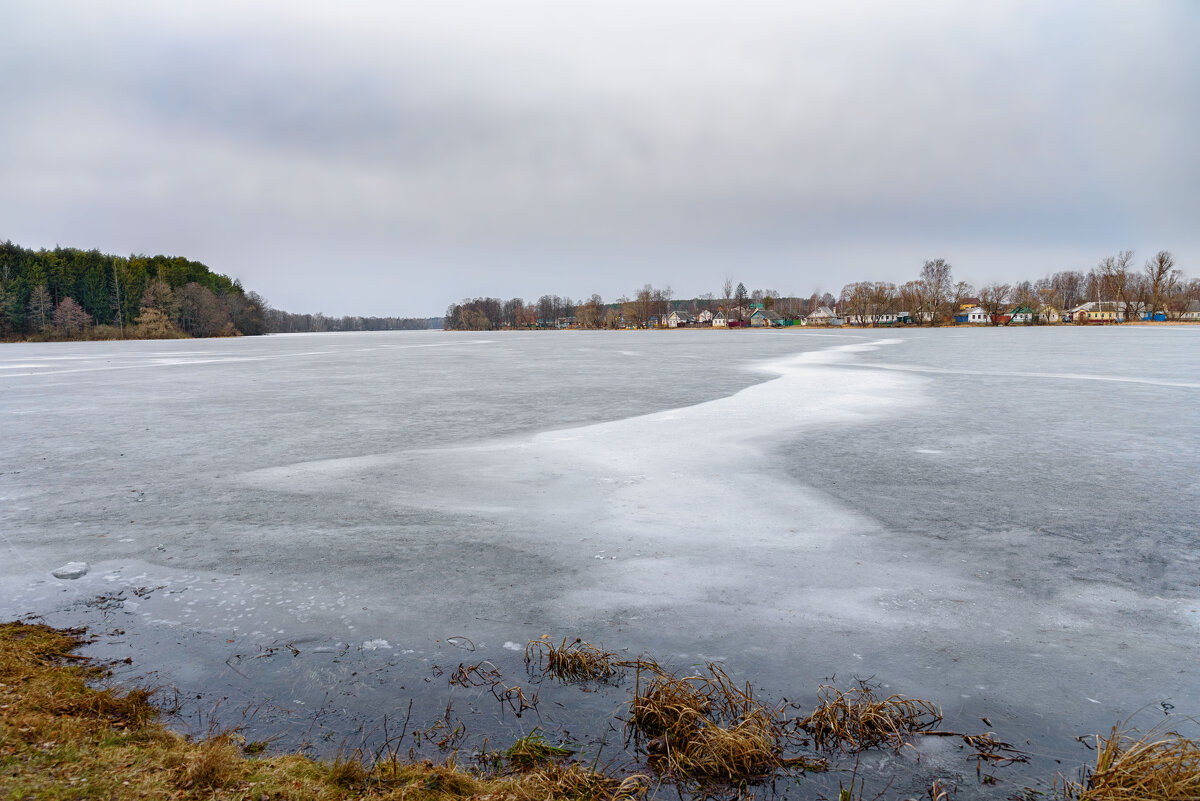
x=1002, y=521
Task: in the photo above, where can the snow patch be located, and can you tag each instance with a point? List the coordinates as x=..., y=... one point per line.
x=71, y=570
x=375, y=645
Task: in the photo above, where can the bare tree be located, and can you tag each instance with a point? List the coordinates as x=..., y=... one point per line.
x=1136, y=296
x=727, y=288
x=41, y=307
x=643, y=304
x=118, y=306
x=1068, y=286
x=853, y=302
x=963, y=292
x=910, y=298
x=509, y=311
x=663, y=304
x=201, y=314
x=545, y=307
x=591, y=313
x=1025, y=294
x=1114, y=274
x=1162, y=279
x=935, y=286
x=70, y=318
x=881, y=298
x=993, y=298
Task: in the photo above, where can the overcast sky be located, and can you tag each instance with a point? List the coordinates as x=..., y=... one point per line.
x=393, y=157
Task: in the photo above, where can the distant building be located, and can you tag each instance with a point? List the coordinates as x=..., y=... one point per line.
x=975, y=315
x=680, y=319
x=765, y=318
x=1098, y=311
x=1020, y=315
x=1049, y=314
x=823, y=316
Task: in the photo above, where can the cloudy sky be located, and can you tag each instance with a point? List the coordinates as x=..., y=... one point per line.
x=392, y=157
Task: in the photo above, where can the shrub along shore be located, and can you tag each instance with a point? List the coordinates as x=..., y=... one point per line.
x=66, y=733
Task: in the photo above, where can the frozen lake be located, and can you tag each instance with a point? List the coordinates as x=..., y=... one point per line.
x=1002, y=521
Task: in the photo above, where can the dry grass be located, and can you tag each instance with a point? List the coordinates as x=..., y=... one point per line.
x=856, y=720
x=579, y=782
x=666, y=705
x=1156, y=766
x=62, y=737
x=348, y=772
x=211, y=765
x=577, y=661
x=705, y=726
x=426, y=781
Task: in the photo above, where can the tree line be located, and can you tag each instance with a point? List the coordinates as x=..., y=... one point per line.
x=1157, y=290
x=281, y=322
x=932, y=298
x=67, y=293
x=644, y=308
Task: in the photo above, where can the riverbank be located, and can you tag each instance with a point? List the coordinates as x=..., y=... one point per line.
x=64, y=734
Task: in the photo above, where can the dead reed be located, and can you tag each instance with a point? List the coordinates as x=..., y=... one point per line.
x=480, y=674
x=856, y=720
x=705, y=726
x=1155, y=766
x=576, y=661
x=575, y=781
x=211, y=765
x=666, y=705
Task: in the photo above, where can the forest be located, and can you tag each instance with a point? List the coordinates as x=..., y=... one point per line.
x=1157, y=289
x=67, y=293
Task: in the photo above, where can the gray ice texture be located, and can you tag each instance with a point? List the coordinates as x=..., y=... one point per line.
x=1003, y=521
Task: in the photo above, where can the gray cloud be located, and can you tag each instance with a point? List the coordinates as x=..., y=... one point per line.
x=541, y=146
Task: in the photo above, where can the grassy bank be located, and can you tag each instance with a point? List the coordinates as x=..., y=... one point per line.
x=63, y=735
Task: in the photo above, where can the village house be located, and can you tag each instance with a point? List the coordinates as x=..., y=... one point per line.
x=765, y=318
x=823, y=316
x=1020, y=315
x=975, y=315
x=1192, y=312
x=680, y=319
x=886, y=318
x=1049, y=314
x=1098, y=311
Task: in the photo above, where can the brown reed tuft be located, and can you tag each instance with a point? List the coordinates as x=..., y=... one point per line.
x=705, y=726
x=1155, y=766
x=856, y=720
x=576, y=661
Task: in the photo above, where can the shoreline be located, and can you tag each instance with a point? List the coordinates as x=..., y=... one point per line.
x=69, y=731
x=814, y=329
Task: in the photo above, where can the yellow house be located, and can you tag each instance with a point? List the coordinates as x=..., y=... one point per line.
x=1098, y=312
